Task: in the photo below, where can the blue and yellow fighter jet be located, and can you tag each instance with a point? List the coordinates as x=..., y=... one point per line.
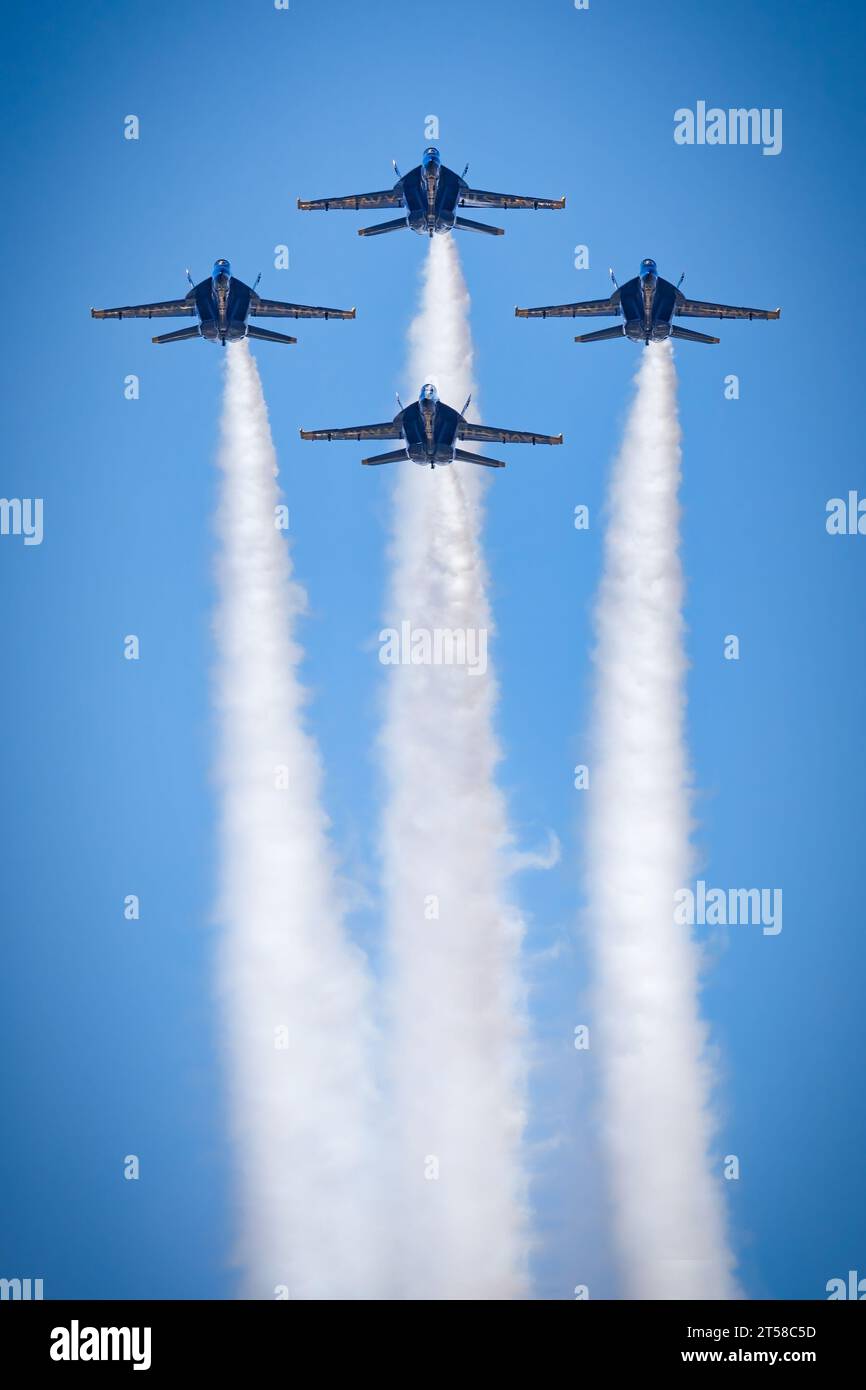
x=431, y=195
x=222, y=304
x=647, y=305
x=430, y=431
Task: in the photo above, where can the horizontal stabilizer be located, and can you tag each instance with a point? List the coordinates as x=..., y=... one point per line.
x=398, y=225
x=178, y=336
x=395, y=456
x=268, y=335
x=618, y=331
x=465, y=457
x=690, y=335
x=467, y=225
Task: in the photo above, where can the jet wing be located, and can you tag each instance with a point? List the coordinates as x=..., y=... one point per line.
x=164, y=309
x=477, y=198
x=490, y=435
x=389, y=198
x=703, y=309
x=587, y=308
x=277, y=309
x=390, y=430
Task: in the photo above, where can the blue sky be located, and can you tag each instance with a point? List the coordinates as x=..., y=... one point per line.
x=109, y=1032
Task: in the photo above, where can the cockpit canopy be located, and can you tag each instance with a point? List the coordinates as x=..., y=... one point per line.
x=431, y=158
x=648, y=267
x=221, y=267
x=429, y=393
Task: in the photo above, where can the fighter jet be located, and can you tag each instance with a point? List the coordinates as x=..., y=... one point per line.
x=431, y=195
x=430, y=431
x=222, y=304
x=647, y=305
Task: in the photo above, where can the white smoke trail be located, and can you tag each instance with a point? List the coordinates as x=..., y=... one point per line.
x=457, y=1009
x=668, y=1208
x=294, y=988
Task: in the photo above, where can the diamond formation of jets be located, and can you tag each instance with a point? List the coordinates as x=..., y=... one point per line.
x=647, y=304
x=430, y=196
x=430, y=431
x=222, y=304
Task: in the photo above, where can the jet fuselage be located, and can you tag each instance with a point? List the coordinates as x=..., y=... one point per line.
x=223, y=305
x=430, y=431
x=647, y=304
x=431, y=192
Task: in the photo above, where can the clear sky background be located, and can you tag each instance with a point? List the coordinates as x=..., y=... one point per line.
x=109, y=1031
